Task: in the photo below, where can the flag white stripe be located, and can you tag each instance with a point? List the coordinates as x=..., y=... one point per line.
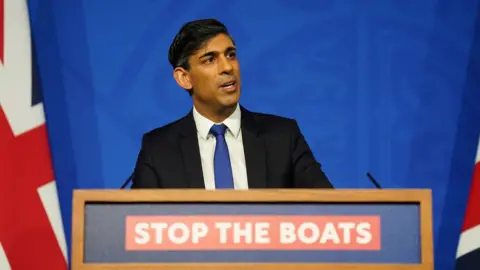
x=469, y=241
x=477, y=159
x=4, y=264
x=48, y=196
x=15, y=75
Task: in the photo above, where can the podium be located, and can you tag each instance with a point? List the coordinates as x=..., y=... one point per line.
x=252, y=229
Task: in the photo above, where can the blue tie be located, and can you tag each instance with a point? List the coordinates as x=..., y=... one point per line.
x=221, y=160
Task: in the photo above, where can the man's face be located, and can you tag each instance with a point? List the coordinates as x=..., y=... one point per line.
x=215, y=74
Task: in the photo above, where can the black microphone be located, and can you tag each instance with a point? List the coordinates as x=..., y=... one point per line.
x=127, y=181
x=373, y=180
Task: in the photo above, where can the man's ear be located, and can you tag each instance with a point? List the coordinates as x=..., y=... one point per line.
x=182, y=78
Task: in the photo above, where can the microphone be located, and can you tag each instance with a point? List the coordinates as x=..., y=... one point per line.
x=127, y=181
x=373, y=180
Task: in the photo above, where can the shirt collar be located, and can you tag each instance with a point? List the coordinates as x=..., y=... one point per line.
x=233, y=123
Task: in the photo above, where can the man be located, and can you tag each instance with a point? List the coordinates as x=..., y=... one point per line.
x=220, y=144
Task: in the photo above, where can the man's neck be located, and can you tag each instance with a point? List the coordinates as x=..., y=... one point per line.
x=216, y=116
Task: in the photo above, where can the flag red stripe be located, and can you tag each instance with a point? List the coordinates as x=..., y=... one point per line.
x=25, y=231
x=472, y=215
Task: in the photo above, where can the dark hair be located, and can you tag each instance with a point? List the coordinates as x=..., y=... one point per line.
x=191, y=37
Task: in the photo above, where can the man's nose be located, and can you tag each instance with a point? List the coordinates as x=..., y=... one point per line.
x=225, y=65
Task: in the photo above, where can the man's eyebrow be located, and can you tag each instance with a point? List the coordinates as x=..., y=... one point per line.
x=210, y=53
x=213, y=53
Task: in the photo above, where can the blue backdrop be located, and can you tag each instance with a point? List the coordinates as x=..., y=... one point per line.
x=390, y=87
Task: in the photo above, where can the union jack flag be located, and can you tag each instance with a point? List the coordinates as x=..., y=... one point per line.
x=31, y=230
x=468, y=251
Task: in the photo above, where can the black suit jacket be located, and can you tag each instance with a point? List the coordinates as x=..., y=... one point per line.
x=276, y=155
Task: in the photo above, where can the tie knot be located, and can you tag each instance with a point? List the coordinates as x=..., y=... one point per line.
x=218, y=130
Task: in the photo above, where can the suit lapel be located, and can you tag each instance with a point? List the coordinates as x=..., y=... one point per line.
x=191, y=153
x=254, y=148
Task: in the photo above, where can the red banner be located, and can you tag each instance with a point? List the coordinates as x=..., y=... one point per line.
x=252, y=232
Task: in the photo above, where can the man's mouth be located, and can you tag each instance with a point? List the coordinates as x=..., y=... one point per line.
x=229, y=86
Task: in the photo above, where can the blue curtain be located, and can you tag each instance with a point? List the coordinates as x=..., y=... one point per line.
x=387, y=87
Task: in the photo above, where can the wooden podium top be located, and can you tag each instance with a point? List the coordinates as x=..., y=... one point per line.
x=422, y=196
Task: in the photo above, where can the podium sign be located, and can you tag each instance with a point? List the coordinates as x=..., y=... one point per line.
x=267, y=229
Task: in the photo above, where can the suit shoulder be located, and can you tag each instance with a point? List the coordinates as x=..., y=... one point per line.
x=275, y=123
x=271, y=118
x=166, y=131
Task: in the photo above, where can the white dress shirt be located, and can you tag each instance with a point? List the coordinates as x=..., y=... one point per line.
x=207, y=142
